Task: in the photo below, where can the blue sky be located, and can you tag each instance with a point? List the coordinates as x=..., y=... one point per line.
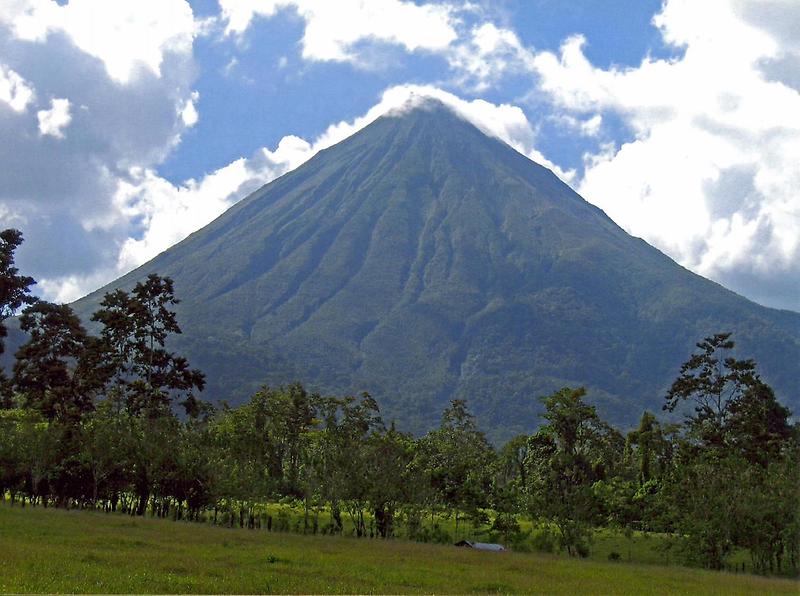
x=131, y=124
x=304, y=99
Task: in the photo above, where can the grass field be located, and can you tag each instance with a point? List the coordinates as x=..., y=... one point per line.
x=73, y=551
x=639, y=547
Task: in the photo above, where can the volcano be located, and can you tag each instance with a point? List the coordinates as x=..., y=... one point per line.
x=422, y=260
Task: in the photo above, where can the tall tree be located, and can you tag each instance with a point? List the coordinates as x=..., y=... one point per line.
x=460, y=461
x=51, y=369
x=511, y=462
x=391, y=483
x=135, y=329
x=758, y=426
x=283, y=416
x=347, y=425
x=713, y=380
x=104, y=437
x=14, y=293
x=730, y=487
x=653, y=450
x=564, y=460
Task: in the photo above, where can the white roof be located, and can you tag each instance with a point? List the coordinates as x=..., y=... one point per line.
x=483, y=545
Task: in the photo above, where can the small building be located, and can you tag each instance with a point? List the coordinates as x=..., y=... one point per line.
x=481, y=545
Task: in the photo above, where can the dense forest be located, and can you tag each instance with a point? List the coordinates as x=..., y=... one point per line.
x=115, y=422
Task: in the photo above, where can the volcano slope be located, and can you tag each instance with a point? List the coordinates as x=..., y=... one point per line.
x=422, y=260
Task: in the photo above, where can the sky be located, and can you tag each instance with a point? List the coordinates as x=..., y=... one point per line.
x=127, y=125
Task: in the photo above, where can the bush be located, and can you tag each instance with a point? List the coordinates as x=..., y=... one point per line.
x=544, y=541
x=434, y=534
x=506, y=524
x=519, y=542
x=413, y=525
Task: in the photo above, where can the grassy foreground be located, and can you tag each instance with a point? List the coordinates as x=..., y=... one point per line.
x=72, y=551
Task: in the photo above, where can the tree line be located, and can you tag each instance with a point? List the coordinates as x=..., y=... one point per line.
x=113, y=422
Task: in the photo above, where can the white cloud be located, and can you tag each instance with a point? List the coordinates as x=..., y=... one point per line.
x=332, y=29
x=127, y=69
x=52, y=122
x=588, y=127
x=169, y=213
x=487, y=55
x=188, y=113
x=125, y=36
x=68, y=288
x=711, y=175
x=478, y=52
x=15, y=91
x=591, y=126
x=503, y=121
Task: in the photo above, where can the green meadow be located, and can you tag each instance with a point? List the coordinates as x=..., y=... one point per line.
x=636, y=547
x=48, y=550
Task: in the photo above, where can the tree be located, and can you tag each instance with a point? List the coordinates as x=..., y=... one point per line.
x=242, y=454
x=192, y=480
x=511, y=462
x=735, y=481
x=391, y=482
x=104, y=437
x=51, y=369
x=701, y=497
x=766, y=515
x=460, y=461
x=14, y=288
x=758, y=426
x=39, y=450
x=284, y=415
x=509, y=487
x=260, y=445
x=651, y=447
x=14, y=292
x=342, y=458
x=152, y=449
x=135, y=329
x=12, y=450
x=713, y=381
x=631, y=498
x=565, y=458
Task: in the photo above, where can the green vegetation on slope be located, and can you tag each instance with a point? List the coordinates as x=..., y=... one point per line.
x=64, y=551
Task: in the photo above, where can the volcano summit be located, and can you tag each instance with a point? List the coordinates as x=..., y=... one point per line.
x=422, y=260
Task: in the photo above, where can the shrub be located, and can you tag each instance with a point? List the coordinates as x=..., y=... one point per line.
x=544, y=541
x=434, y=534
